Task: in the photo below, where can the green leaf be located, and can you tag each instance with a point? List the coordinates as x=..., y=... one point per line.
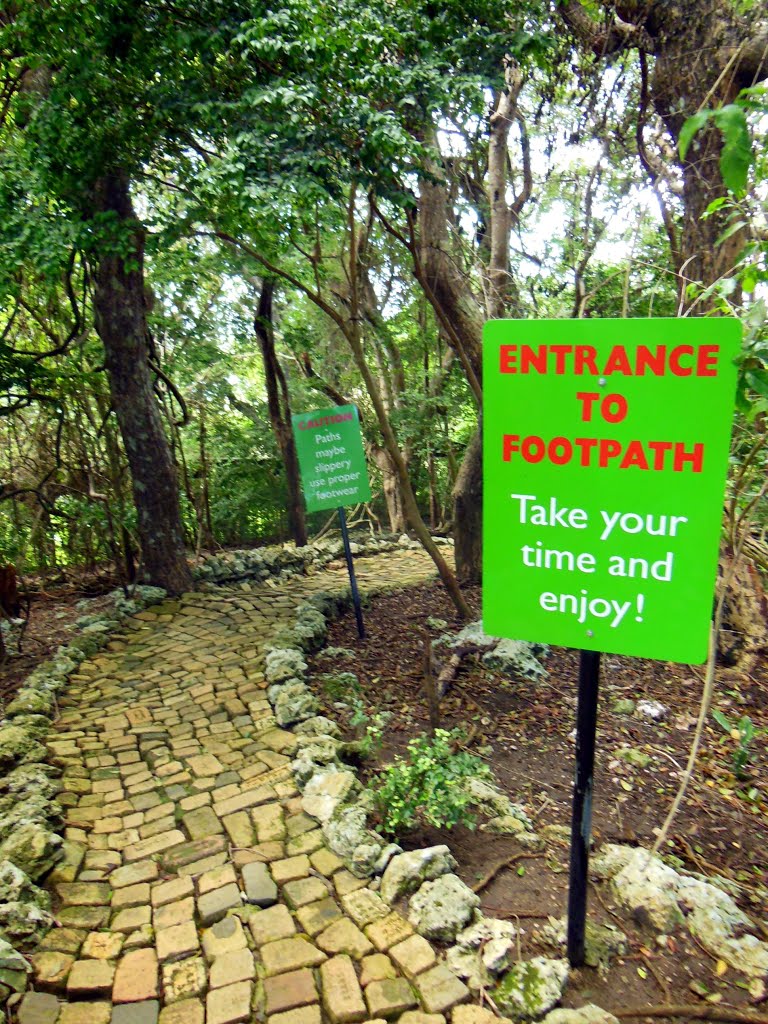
x=721, y=720
x=733, y=227
x=736, y=155
x=758, y=380
x=749, y=279
x=726, y=286
x=689, y=129
x=714, y=206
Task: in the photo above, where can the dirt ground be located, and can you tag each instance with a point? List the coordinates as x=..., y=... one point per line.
x=525, y=732
x=52, y=622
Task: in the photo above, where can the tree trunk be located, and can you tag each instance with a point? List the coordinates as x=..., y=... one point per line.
x=679, y=89
x=705, y=52
x=445, y=284
x=116, y=474
x=458, y=309
x=278, y=401
x=456, y=305
x=410, y=505
x=121, y=324
x=392, y=492
x=434, y=501
x=204, y=507
x=182, y=472
x=468, y=512
x=409, y=498
x=504, y=217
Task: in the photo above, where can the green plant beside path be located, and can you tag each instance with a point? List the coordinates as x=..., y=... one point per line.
x=428, y=786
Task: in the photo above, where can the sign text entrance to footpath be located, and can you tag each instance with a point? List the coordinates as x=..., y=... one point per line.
x=329, y=446
x=605, y=453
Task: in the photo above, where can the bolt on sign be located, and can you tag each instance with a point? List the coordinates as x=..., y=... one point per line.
x=605, y=454
x=329, y=445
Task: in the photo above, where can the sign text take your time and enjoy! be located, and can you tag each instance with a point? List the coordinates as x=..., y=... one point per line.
x=605, y=452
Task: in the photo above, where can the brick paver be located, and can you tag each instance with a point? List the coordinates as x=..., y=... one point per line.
x=194, y=887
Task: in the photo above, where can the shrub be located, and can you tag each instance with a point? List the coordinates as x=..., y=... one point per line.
x=427, y=787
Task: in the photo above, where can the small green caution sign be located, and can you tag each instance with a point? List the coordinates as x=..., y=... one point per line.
x=604, y=460
x=331, y=457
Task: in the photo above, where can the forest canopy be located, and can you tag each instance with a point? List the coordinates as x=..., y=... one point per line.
x=215, y=215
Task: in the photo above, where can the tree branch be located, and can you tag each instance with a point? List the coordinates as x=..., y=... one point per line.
x=174, y=391
x=323, y=386
x=603, y=40
x=654, y=172
x=276, y=271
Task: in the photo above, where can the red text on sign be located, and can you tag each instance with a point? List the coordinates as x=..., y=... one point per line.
x=657, y=360
x=605, y=452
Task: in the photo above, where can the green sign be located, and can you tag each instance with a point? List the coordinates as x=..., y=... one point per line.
x=331, y=457
x=605, y=453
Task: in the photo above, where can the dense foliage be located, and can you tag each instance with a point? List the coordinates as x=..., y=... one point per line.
x=177, y=160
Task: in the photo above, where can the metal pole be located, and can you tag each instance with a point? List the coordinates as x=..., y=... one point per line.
x=351, y=570
x=581, y=820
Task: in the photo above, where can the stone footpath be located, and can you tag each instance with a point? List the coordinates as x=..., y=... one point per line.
x=194, y=887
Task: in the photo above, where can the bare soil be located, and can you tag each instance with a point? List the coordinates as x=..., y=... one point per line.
x=525, y=732
x=52, y=622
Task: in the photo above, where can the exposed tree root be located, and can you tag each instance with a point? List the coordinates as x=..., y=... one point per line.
x=506, y=863
x=449, y=673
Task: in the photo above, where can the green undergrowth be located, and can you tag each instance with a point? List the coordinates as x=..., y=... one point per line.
x=427, y=787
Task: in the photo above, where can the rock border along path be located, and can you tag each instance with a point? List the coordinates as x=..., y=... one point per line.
x=194, y=887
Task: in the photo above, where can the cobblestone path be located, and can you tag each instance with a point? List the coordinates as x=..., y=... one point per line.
x=195, y=889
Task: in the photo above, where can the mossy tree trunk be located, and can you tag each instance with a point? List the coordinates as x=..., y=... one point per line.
x=119, y=307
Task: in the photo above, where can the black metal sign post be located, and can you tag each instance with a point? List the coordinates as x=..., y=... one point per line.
x=351, y=570
x=581, y=820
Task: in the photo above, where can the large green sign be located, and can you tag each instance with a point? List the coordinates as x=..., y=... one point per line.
x=604, y=457
x=331, y=457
